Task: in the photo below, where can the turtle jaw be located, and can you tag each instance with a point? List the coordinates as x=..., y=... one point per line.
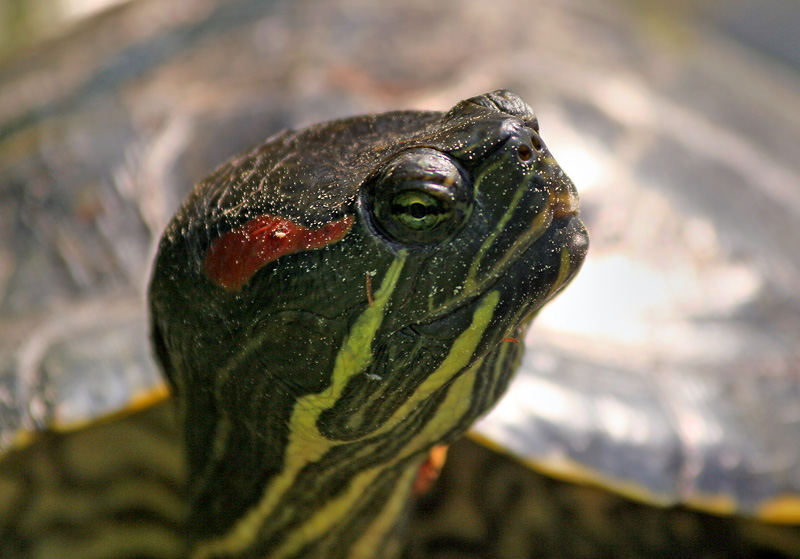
x=555, y=239
x=569, y=233
x=572, y=232
x=549, y=260
x=560, y=244
x=528, y=263
x=565, y=204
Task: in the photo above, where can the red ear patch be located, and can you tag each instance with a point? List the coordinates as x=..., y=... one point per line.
x=237, y=255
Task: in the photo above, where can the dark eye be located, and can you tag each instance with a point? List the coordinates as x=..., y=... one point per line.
x=419, y=197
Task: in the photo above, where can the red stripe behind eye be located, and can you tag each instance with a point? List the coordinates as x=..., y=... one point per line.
x=237, y=255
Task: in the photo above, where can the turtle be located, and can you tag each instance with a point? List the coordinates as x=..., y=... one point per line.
x=328, y=309
x=94, y=164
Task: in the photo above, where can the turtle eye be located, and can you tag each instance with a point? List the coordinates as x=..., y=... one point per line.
x=419, y=211
x=419, y=197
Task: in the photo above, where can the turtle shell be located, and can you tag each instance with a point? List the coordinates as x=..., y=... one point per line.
x=668, y=372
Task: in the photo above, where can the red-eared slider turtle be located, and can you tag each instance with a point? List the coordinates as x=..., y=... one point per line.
x=677, y=382
x=326, y=308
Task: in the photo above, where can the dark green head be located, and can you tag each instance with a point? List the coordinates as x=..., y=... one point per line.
x=335, y=302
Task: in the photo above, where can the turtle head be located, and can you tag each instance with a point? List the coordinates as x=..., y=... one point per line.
x=477, y=207
x=332, y=304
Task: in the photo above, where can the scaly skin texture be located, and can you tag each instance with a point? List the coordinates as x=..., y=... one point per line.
x=379, y=262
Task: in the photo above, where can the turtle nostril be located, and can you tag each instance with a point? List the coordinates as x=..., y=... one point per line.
x=524, y=152
x=537, y=142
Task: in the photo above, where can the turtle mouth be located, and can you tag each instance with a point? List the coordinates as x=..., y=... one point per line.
x=561, y=213
x=557, y=254
x=569, y=235
x=553, y=247
x=564, y=204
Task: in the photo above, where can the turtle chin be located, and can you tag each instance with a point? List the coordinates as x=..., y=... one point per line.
x=558, y=256
x=571, y=232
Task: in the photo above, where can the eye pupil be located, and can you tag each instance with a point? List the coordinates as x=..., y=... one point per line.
x=414, y=210
x=418, y=210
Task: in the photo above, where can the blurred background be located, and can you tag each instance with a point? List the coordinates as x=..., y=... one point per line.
x=668, y=372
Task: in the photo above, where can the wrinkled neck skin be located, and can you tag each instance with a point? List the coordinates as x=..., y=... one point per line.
x=323, y=508
x=333, y=498
x=321, y=464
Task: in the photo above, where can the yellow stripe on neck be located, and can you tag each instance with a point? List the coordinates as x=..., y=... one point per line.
x=457, y=358
x=455, y=405
x=305, y=443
